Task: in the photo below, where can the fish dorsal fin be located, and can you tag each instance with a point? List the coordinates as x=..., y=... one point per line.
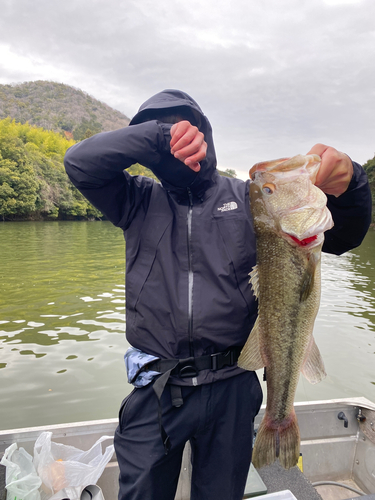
x=251, y=356
x=254, y=280
x=313, y=365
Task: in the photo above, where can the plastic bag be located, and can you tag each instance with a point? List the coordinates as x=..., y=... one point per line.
x=21, y=479
x=64, y=470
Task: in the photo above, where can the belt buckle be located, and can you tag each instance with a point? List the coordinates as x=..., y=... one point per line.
x=221, y=359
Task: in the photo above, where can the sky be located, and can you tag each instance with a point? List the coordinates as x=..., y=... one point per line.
x=274, y=77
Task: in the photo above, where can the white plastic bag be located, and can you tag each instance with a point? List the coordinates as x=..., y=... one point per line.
x=64, y=470
x=21, y=479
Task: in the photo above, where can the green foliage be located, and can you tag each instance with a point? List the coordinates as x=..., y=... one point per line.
x=138, y=169
x=64, y=113
x=33, y=182
x=86, y=129
x=18, y=188
x=229, y=173
x=369, y=168
x=48, y=118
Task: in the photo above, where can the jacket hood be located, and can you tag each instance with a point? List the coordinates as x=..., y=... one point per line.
x=174, y=175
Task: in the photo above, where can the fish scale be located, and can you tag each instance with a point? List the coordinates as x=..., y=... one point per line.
x=287, y=313
x=290, y=216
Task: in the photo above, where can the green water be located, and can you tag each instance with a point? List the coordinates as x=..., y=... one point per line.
x=62, y=323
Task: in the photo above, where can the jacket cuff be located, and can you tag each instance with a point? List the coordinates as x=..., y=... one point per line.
x=166, y=128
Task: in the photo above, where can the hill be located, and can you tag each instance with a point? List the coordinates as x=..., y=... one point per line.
x=38, y=122
x=58, y=107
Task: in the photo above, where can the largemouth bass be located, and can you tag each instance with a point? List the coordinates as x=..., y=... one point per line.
x=290, y=216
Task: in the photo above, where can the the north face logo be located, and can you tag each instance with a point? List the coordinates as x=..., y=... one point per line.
x=232, y=205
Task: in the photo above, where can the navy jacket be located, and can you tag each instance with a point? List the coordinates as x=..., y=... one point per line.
x=190, y=243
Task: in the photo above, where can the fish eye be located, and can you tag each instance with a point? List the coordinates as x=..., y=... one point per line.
x=268, y=188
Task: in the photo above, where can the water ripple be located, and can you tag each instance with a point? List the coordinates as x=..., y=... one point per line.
x=62, y=320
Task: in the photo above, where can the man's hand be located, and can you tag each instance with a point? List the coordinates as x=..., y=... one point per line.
x=335, y=172
x=188, y=144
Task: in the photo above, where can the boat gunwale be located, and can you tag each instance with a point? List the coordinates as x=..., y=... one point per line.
x=299, y=406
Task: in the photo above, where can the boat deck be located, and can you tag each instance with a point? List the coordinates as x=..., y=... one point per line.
x=329, y=492
x=278, y=479
x=3, y=492
x=331, y=451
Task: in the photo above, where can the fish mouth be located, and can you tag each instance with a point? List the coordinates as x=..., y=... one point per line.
x=304, y=228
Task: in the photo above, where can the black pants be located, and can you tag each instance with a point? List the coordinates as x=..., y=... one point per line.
x=218, y=421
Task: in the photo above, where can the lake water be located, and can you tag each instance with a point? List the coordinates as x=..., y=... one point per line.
x=62, y=323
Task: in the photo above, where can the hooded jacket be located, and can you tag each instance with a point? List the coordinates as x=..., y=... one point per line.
x=190, y=243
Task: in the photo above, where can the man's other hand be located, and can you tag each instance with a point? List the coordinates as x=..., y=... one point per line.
x=335, y=172
x=188, y=144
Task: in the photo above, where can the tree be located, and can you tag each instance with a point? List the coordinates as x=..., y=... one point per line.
x=138, y=169
x=33, y=182
x=369, y=168
x=18, y=184
x=87, y=128
x=18, y=189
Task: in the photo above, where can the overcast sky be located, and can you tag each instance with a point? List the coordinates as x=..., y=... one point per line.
x=273, y=76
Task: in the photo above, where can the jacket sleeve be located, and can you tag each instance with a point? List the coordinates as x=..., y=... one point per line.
x=96, y=166
x=351, y=213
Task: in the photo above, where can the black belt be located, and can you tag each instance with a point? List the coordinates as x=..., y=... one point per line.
x=188, y=367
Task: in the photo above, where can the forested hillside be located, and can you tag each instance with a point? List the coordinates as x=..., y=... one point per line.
x=39, y=121
x=33, y=182
x=58, y=107
x=369, y=167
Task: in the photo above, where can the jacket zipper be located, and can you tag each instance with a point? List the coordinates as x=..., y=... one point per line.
x=190, y=276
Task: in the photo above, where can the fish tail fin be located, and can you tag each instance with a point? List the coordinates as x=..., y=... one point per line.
x=277, y=441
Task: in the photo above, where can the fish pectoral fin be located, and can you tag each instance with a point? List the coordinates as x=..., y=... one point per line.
x=308, y=279
x=313, y=366
x=254, y=280
x=251, y=357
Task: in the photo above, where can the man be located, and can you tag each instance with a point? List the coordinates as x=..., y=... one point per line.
x=190, y=245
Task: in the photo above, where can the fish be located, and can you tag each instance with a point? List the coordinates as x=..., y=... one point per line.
x=290, y=216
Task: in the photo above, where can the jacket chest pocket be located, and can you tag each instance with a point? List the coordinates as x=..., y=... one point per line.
x=238, y=238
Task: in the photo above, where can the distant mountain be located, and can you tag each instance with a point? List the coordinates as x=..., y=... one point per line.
x=58, y=107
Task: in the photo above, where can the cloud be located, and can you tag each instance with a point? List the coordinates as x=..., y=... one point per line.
x=273, y=77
